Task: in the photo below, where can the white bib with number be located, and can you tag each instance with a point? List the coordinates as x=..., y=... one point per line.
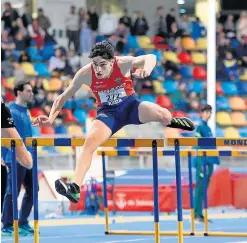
x=113, y=96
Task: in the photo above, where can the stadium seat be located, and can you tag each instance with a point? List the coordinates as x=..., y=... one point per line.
x=242, y=88
x=9, y=97
x=92, y=113
x=159, y=43
x=171, y=56
x=194, y=116
x=34, y=54
x=29, y=69
x=75, y=130
x=200, y=73
x=68, y=116
x=145, y=42
x=64, y=150
x=61, y=129
x=188, y=43
x=69, y=104
x=48, y=51
x=48, y=130
x=184, y=58
x=231, y=132
x=140, y=52
x=36, y=112
x=158, y=55
x=223, y=118
x=164, y=101
x=10, y=82
x=178, y=114
x=199, y=58
x=185, y=72
x=229, y=88
x=148, y=97
x=219, y=132
x=244, y=75
x=170, y=86
x=243, y=132
x=222, y=104
x=80, y=115
x=201, y=44
x=219, y=90
x=237, y=103
x=42, y=69
x=238, y=118
x=36, y=131
x=55, y=84
x=132, y=42
x=196, y=86
x=158, y=88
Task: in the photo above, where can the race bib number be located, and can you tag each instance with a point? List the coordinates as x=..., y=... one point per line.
x=112, y=97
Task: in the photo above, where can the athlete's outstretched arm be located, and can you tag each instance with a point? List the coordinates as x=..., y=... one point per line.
x=148, y=61
x=81, y=77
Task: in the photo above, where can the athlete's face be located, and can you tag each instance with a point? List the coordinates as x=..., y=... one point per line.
x=206, y=115
x=102, y=67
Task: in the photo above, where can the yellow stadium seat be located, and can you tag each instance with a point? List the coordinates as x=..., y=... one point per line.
x=171, y=133
x=120, y=134
x=171, y=56
x=158, y=88
x=55, y=84
x=238, y=119
x=28, y=69
x=46, y=85
x=223, y=118
x=231, y=132
x=199, y=58
x=75, y=130
x=237, y=103
x=10, y=82
x=145, y=42
x=188, y=43
x=64, y=150
x=41, y=151
x=201, y=44
x=244, y=76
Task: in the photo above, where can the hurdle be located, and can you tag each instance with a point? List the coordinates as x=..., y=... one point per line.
x=177, y=153
x=113, y=142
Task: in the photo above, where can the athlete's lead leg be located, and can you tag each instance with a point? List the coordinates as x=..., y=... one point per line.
x=98, y=134
x=150, y=112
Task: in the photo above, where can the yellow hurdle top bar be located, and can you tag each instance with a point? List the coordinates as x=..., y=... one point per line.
x=237, y=142
x=113, y=142
x=183, y=153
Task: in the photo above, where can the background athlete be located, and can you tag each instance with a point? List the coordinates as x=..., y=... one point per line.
x=109, y=79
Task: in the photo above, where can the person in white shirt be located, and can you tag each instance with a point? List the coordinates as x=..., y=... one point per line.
x=108, y=22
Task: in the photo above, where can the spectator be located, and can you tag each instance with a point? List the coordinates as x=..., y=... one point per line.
x=85, y=35
x=175, y=37
x=37, y=33
x=242, y=51
x=107, y=22
x=24, y=57
x=194, y=101
x=20, y=44
x=159, y=23
x=229, y=25
x=43, y=20
x=242, y=25
x=72, y=26
x=94, y=22
x=7, y=44
x=198, y=30
x=121, y=34
x=9, y=18
x=170, y=19
x=140, y=26
x=81, y=13
x=126, y=19
x=18, y=73
x=24, y=96
x=179, y=98
x=74, y=61
x=185, y=24
x=171, y=68
x=57, y=62
x=27, y=18
x=230, y=66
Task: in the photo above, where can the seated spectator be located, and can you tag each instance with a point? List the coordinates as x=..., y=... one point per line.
x=74, y=61
x=7, y=44
x=171, y=68
x=140, y=26
x=37, y=33
x=20, y=45
x=230, y=66
x=24, y=57
x=57, y=62
x=198, y=30
x=229, y=25
x=39, y=93
x=179, y=98
x=24, y=32
x=242, y=51
x=175, y=37
x=194, y=101
x=242, y=25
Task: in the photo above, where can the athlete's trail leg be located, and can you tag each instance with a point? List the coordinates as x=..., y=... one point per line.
x=98, y=134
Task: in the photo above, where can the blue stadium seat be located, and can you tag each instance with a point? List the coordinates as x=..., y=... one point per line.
x=196, y=86
x=222, y=104
x=80, y=115
x=69, y=104
x=132, y=42
x=34, y=54
x=100, y=38
x=42, y=69
x=48, y=51
x=194, y=116
x=148, y=97
x=140, y=52
x=170, y=86
x=229, y=88
x=61, y=129
x=158, y=55
x=36, y=131
x=219, y=132
x=243, y=132
x=50, y=150
x=242, y=88
x=186, y=72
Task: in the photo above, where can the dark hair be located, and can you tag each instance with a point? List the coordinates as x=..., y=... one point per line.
x=103, y=49
x=160, y=7
x=206, y=108
x=20, y=87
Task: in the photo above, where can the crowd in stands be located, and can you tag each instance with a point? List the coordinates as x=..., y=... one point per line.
x=30, y=52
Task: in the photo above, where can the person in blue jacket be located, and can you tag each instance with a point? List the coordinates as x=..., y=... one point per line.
x=19, y=111
x=203, y=130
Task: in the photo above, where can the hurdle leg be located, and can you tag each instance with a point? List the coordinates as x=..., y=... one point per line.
x=35, y=191
x=105, y=195
x=179, y=192
x=156, y=192
x=192, y=212
x=14, y=192
x=205, y=194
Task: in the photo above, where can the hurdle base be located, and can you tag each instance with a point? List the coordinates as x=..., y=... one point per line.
x=162, y=233
x=106, y=232
x=227, y=234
